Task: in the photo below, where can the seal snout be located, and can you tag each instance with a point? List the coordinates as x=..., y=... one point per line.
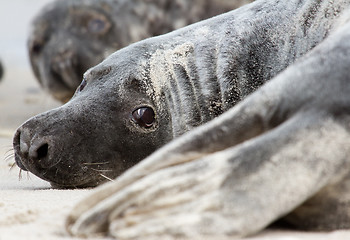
x=31, y=152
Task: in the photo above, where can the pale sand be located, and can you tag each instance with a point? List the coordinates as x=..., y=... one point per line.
x=29, y=208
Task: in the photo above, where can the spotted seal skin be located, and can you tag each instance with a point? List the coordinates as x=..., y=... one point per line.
x=262, y=153
x=70, y=36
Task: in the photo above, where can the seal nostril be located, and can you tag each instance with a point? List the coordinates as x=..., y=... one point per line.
x=42, y=151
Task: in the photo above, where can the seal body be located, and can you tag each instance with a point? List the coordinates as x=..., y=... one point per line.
x=70, y=36
x=254, y=106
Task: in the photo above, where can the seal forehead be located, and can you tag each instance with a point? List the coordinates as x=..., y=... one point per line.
x=96, y=73
x=162, y=61
x=162, y=64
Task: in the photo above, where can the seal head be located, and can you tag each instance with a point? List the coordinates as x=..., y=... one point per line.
x=68, y=38
x=110, y=124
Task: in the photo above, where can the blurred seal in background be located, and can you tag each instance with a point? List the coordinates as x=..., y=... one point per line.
x=70, y=36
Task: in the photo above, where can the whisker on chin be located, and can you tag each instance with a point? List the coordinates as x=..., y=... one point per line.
x=102, y=170
x=20, y=175
x=9, y=156
x=10, y=150
x=88, y=164
x=12, y=166
x=102, y=175
x=109, y=179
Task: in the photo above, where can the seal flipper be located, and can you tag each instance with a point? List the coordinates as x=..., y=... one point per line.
x=262, y=179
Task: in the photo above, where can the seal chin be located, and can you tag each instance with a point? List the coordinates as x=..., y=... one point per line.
x=60, y=179
x=88, y=184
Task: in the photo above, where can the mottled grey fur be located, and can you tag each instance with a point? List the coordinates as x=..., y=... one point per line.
x=70, y=36
x=280, y=152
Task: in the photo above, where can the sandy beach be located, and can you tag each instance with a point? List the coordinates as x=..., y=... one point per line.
x=29, y=208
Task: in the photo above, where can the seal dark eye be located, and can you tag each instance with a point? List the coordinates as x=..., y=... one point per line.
x=36, y=47
x=97, y=26
x=82, y=85
x=144, y=117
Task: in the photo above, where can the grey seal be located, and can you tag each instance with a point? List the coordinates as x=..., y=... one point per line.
x=70, y=36
x=253, y=106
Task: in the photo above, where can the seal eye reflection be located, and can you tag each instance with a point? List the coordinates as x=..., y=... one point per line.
x=144, y=117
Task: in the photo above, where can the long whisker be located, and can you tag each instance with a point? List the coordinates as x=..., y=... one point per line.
x=9, y=156
x=88, y=164
x=28, y=176
x=102, y=175
x=109, y=179
x=101, y=170
x=20, y=175
x=12, y=166
x=10, y=150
